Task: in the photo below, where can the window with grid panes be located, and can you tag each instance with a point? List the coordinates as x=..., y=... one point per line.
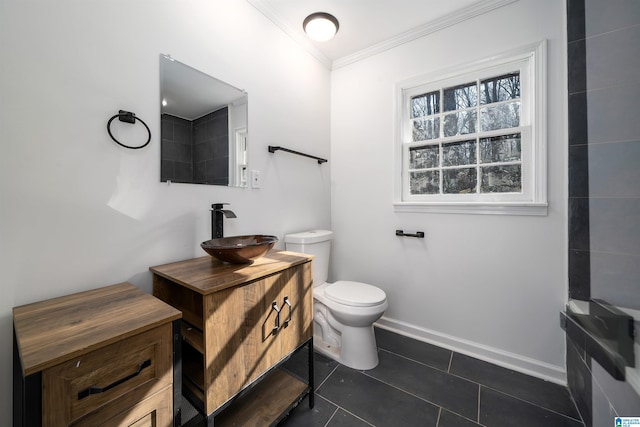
x=475, y=137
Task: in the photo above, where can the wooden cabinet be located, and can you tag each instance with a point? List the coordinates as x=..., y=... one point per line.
x=240, y=322
x=101, y=357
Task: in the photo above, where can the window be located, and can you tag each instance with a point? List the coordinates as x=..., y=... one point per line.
x=473, y=139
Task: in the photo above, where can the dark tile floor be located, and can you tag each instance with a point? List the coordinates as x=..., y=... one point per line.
x=418, y=384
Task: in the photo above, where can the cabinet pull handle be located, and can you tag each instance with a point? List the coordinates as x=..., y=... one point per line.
x=96, y=390
x=286, y=301
x=276, y=328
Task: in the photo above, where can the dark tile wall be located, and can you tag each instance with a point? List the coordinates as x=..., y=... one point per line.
x=604, y=192
x=211, y=148
x=196, y=151
x=579, y=259
x=604, y=149
x=177, y=149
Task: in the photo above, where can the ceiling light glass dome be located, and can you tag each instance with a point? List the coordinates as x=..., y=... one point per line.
x=320, y=26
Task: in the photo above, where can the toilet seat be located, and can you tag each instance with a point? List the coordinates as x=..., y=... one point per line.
x=355, y=294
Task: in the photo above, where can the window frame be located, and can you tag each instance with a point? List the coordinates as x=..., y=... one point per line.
x=530, y=61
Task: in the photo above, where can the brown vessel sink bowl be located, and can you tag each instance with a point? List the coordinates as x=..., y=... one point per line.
x=239, y=249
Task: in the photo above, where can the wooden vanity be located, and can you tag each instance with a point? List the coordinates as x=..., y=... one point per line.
x=103, y=357
x=240, y=323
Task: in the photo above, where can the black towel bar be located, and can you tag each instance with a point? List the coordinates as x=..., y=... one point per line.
x=274, y=148
x=418, y=234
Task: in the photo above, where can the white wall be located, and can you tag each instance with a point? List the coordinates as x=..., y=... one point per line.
x=76, y=210
x=487, y=285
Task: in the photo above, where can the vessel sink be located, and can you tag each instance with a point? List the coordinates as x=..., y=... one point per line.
x=239, y=249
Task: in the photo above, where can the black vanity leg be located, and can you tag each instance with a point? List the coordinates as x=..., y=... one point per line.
x=311, y=375
x=177, y=373
x=27, y=393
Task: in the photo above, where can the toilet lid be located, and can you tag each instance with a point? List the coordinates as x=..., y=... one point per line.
x=355, y=294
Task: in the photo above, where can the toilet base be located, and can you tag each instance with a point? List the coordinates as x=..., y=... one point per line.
x=328, y=350
x=361, y=352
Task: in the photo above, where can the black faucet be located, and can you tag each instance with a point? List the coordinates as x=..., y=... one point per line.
x=217, y=222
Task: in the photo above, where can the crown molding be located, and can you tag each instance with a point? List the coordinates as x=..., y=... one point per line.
x=430, y=27
x=285, y=26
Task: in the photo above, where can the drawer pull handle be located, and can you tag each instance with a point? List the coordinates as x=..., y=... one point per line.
x=286, y=301
x=276, y=328
x=96, y=390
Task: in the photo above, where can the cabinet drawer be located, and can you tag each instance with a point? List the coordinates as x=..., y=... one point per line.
x=155, y=411
x=109, y=379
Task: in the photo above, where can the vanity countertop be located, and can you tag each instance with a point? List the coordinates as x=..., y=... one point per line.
x=206, y=274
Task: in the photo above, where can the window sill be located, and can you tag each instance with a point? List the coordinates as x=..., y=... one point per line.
x=481, y=208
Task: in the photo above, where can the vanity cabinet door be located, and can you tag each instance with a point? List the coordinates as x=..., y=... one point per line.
x=296, y=318
x=246, y=333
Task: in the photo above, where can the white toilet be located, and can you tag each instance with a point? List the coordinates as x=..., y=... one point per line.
x=344, y=311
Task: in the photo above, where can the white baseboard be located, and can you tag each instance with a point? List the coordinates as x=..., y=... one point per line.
x=516, y=362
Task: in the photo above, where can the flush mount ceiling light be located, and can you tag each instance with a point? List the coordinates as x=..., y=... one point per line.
x=320, y=26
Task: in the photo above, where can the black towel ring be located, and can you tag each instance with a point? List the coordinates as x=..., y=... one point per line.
x=128, y=117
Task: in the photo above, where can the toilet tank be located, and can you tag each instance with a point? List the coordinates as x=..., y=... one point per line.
x=316, y=243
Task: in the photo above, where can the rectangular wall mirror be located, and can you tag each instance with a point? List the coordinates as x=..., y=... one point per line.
x=203, y=127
